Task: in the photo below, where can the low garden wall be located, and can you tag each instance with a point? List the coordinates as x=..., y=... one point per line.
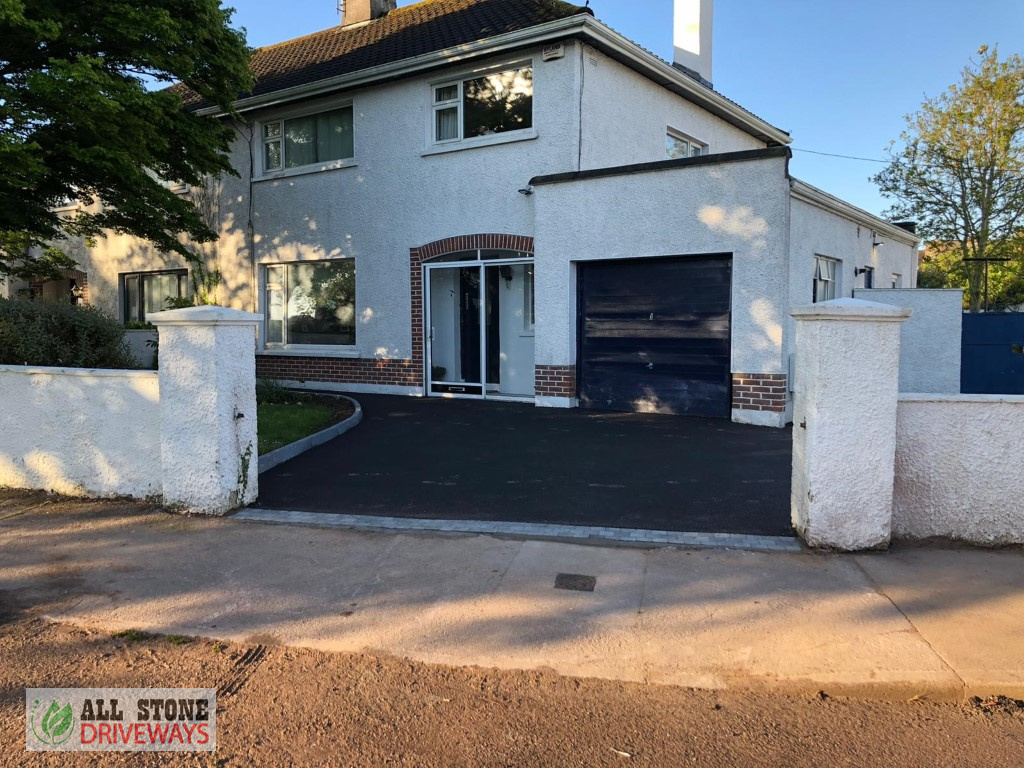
x=959, y=468
x=80, y=431
x=186, y=433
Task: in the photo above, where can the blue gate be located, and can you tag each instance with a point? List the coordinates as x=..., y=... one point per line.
x=992, y=354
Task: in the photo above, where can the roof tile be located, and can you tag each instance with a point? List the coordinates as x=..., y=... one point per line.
x=414, y=30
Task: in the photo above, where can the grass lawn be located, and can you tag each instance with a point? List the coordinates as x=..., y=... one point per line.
x=280, y=424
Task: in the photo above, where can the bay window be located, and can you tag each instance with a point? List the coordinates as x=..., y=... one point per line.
x=311, y=303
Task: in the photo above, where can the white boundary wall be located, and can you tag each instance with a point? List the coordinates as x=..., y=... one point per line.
x=959, y=468
x=186, y=433
x=80, y=431
x=930, y=339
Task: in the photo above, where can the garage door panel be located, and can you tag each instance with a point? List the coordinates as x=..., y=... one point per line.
x=656, y=335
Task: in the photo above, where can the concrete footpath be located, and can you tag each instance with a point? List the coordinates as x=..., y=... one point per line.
x=938, y=623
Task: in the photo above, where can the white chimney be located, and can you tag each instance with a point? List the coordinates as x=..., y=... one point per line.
x=692, y=37
x=359, y=11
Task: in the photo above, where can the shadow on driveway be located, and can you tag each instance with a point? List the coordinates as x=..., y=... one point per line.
x=468, y=459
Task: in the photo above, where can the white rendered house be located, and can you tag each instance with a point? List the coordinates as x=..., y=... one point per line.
x=508, y=199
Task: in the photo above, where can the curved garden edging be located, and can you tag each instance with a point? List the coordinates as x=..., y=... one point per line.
x=286, y=452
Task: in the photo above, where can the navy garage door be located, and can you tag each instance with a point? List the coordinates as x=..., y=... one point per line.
x=655, y=335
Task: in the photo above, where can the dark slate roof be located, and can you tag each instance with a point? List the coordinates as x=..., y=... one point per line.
x=426, y=27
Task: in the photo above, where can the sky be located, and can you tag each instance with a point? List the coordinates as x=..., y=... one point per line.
x=838, y=76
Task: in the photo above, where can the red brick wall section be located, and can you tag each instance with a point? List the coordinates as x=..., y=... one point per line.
x=555, y=380
x=759, y=392
x=341, y=370
x=402, y=373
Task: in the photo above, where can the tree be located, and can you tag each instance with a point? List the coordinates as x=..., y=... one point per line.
x=81, y=120
x=958, y=168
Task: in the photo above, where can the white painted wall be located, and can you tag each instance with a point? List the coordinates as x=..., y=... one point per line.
x=80, y=431
x=625, y=117
x=737, y=208
x=958, y=468
x=187, y=432
x=930, y=339
x=816, y=231
x=397, y=194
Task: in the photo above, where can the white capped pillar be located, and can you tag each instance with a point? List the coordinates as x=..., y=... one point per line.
x=207, y=377
x=846, y=381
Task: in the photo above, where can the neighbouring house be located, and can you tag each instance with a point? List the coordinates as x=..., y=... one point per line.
x=509, y=199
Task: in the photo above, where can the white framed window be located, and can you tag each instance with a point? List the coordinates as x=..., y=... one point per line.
x=679, y=145
x=319, y=138
x=484, y=104
x=897, y=280
x=826, y=278
x=310, y=303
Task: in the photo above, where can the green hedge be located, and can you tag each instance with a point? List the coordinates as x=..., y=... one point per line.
x=56, y=333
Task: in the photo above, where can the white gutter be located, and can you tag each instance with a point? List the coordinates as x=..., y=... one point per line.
x=803, y=191
x=583, y=25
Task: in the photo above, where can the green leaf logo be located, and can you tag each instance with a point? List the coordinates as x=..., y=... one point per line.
x=56, y=725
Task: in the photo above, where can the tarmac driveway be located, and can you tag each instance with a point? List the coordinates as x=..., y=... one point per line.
x=469, y=459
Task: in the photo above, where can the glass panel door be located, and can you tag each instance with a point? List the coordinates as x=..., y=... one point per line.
x=509, y=321
x=454, y=335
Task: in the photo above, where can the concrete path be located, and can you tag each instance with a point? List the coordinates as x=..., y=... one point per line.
x=935, y=623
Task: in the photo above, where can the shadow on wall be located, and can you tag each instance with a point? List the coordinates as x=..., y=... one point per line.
x=87, y=432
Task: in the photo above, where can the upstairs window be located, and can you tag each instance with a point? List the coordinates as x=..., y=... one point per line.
x=826, y=277
x=294, y=142
x=678, y=145
x=491, y=104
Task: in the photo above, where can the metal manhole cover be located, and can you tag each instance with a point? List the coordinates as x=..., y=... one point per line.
x=576, y=582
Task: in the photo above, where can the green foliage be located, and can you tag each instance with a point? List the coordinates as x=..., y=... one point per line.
x=943, y=267
x=958, y=170
x=52, y=333
x=279, y=424
x=77, y=122
x=273, y=391
x=132, y=635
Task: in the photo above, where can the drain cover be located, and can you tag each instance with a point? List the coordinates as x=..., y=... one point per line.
x=576, y=582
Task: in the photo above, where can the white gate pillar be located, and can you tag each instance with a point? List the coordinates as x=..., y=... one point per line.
x=207, y=375
x=846, y=379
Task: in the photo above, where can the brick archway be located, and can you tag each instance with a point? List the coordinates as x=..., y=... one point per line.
x=417, y=256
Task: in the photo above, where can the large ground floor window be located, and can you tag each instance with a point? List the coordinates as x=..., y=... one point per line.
x=311, y=303
x=143, y=293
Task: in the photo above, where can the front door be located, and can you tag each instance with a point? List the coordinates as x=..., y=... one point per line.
x=479, y=325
